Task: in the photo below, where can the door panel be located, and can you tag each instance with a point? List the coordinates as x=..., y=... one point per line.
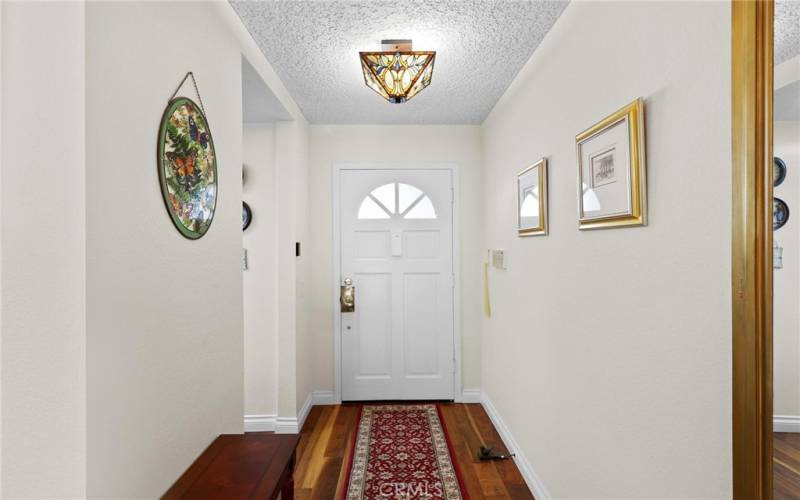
x=374, y=325
x=373, y=244
x=397, y=247
x=420, y=323
x=422, y=244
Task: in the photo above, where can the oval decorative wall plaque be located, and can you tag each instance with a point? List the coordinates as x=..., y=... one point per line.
x=187, y=167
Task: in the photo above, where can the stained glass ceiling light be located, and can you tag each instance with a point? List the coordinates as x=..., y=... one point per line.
x=398, y=73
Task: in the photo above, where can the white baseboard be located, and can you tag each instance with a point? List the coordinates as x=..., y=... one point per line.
x=470, y=396
x=786, y=423
x=271, y=423
x=304, y=411
x=288, y=425
x=319, y=398
x=533, y=480
x=259, y=423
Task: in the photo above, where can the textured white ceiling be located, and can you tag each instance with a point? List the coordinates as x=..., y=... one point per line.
x=787, y=30
x=480, y=44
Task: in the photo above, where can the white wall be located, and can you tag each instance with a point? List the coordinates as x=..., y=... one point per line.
x=277, y=373
x=164, y=314
x=291, y=164
x=786, y=342
x=304, y=354
x=155, y=319
x=608, y=355
x=260, y=279
x=291, y=225
x=411, y=144
x=43, y=252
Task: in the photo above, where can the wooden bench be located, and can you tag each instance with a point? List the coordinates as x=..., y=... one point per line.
x=252, y=465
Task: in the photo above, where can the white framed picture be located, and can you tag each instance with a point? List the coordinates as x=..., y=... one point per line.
x=612, y=188
x=532, y=200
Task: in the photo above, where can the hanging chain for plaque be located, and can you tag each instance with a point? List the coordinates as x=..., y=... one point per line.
x=196, y=90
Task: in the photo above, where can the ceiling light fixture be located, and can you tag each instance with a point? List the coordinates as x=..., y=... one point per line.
x=398, y=73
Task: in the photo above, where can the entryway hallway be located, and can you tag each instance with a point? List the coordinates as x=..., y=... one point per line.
x=223, y=223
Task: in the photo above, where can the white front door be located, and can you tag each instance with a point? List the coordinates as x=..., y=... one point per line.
x=397, y=248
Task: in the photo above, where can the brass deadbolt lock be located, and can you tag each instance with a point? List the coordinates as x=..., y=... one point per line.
x=347, y=296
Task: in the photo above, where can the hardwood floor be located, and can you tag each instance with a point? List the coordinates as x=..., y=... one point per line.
x=326, y=438
x=786, y=466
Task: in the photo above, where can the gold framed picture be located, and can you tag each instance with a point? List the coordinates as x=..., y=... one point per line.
x=612, y=187
x=532, y=200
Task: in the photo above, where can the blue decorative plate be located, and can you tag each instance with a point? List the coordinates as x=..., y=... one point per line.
x=247, y=216
x=778, y=171
x=780, y=213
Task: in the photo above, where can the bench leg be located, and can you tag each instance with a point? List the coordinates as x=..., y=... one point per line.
x=287, y=492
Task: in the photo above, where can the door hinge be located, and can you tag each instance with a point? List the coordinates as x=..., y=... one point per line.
x=453, y=365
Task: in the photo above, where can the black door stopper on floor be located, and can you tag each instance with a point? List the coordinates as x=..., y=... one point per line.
x=489, y=454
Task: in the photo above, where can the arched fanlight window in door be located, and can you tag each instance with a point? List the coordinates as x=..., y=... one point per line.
x=396, y=200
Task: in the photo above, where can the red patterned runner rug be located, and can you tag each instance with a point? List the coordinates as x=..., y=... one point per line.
x=402, y=452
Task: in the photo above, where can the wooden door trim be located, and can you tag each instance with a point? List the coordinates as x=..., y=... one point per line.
x=751, y=121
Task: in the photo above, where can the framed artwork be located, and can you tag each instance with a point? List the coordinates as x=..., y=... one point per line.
x=778, y=171
x=247, y=216
x=780, y=213
x=187, y=167
x=532, y=200
x=612, y=188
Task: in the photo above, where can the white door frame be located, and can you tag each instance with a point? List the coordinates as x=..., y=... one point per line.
x=454, y=170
